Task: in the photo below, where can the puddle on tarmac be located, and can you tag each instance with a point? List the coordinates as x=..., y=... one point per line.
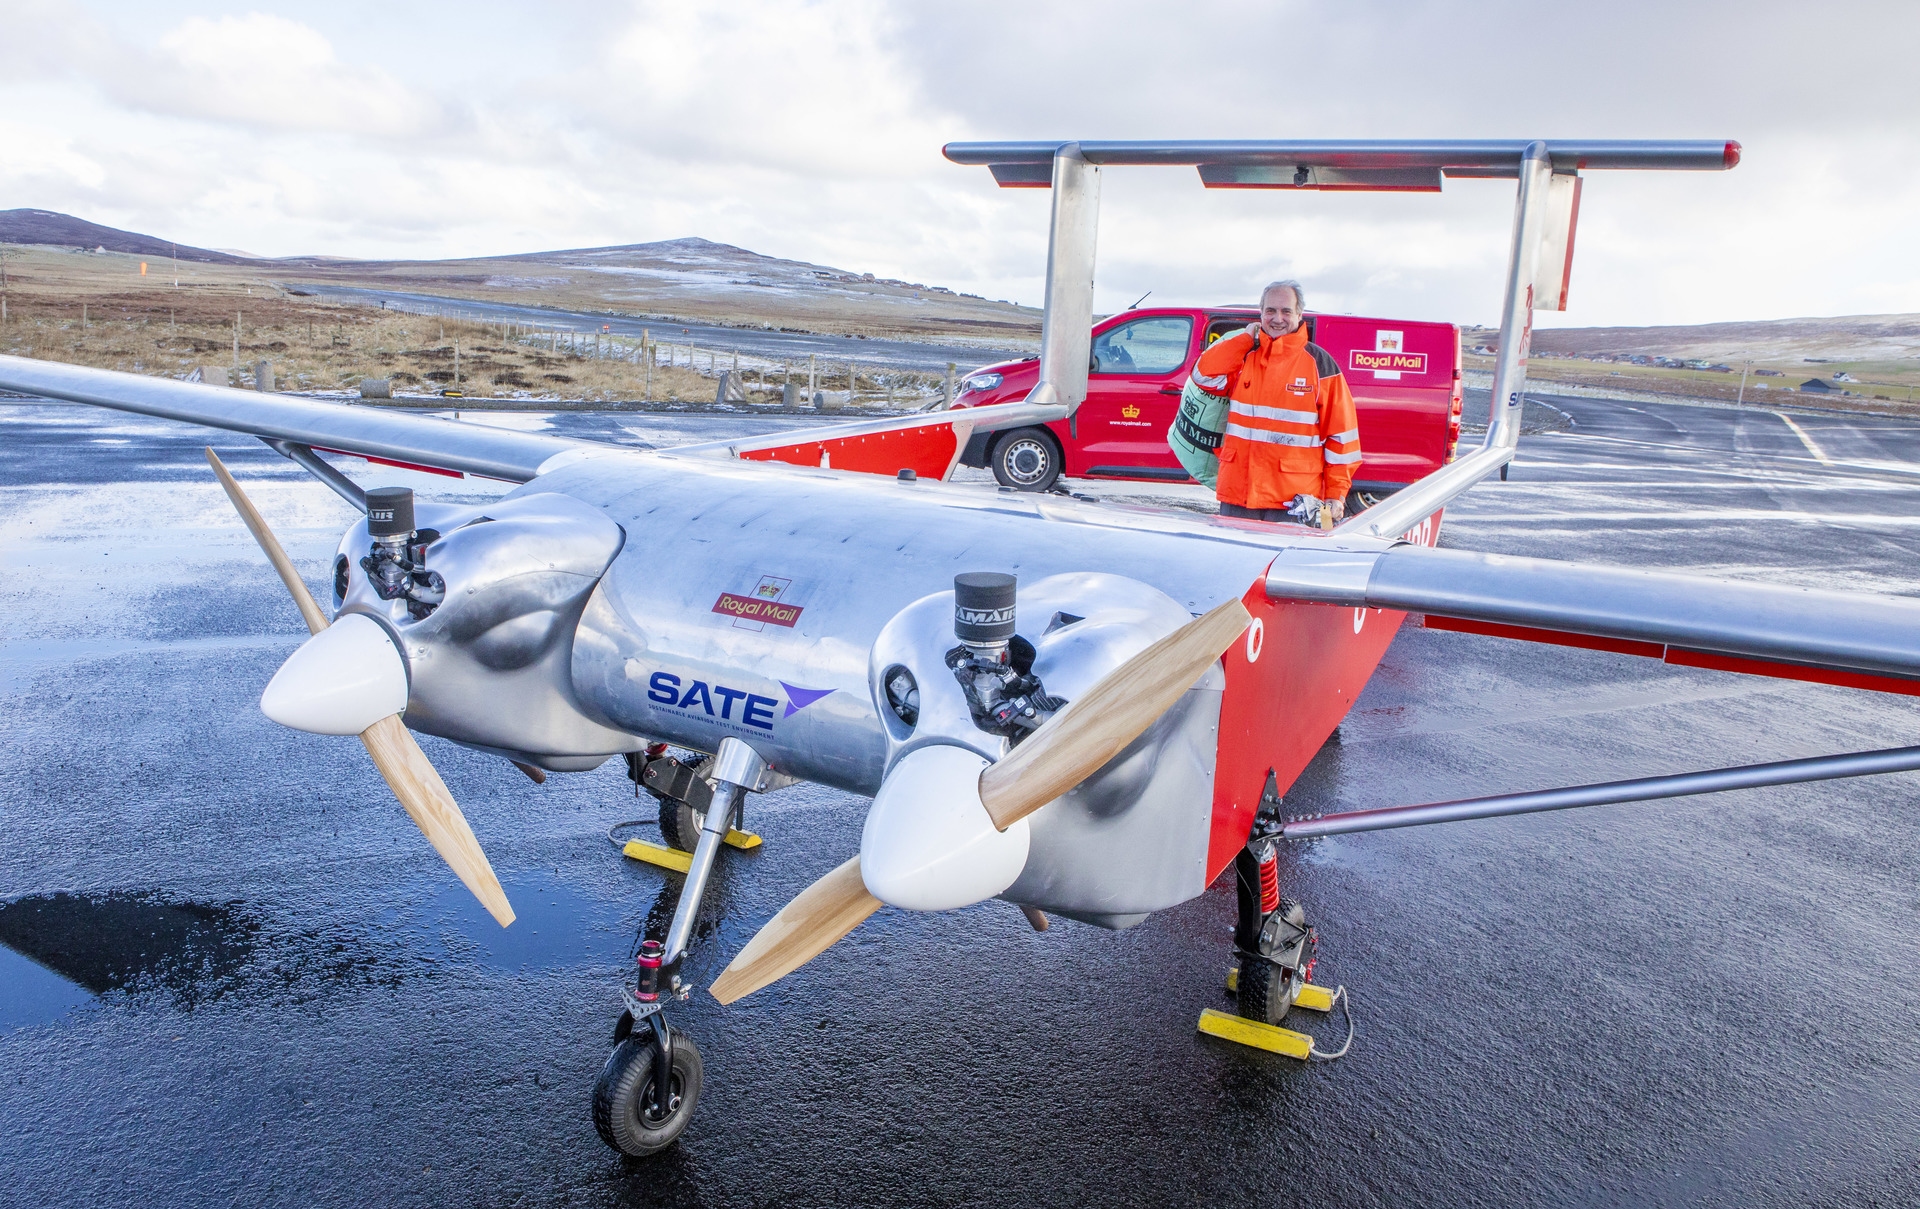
x=554, y=926
x=64, y=950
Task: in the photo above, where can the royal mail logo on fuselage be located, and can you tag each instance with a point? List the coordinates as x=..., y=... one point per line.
x=746, y=608
x=762, y=608
x=1395, y=363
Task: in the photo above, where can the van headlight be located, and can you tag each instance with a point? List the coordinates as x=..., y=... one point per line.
x=981, y=382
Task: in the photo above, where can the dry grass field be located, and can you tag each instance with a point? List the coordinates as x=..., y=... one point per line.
x=1880, y=354
x=220, y=320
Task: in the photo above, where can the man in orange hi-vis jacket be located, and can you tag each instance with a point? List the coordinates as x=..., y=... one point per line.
x=1292, y=441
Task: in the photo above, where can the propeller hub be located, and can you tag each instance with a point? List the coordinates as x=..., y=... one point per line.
x=341, y=681
x=929, y=844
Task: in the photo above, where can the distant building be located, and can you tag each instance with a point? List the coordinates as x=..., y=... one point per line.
x=1768, y=373
x=1817, y=385
x=1844, y=376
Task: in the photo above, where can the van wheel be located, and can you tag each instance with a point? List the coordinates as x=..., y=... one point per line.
x=1026, y=459
x=1360, y=501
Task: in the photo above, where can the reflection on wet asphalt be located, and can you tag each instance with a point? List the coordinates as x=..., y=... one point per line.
x=231, y=971
x=119, y=941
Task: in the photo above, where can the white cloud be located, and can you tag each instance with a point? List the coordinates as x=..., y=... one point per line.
x=268, y=73
x=812, y=130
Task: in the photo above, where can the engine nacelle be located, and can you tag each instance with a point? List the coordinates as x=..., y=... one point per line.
x=483, y=603
x=1132, y=838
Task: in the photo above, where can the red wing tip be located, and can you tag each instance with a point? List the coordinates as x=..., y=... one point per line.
x=1731, y=156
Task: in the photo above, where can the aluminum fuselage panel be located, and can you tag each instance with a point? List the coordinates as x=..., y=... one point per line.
x=748, y=596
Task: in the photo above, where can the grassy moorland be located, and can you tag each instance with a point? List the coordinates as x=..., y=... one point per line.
x=97, y=309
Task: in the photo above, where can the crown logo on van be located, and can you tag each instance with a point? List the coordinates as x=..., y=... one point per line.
x=1130, y=411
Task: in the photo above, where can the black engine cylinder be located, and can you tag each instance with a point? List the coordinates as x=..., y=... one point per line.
x=983, y=607
x=390, y=512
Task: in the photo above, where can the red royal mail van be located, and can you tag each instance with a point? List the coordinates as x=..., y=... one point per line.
x=1405, y=379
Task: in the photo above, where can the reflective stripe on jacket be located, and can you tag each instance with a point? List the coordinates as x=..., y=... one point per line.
x=1291, y=424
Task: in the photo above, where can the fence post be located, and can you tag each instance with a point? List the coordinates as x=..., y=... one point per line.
x=951, y=367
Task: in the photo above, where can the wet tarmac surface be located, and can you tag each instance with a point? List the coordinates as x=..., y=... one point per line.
x=232, y=972
x=928, y=357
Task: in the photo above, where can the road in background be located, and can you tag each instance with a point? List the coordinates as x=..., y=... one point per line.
x=233, y=972
x=748, y=341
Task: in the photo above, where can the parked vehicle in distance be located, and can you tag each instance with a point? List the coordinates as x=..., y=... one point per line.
x=1404, y=375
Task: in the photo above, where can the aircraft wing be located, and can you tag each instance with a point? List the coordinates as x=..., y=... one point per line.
x=425, y=442
x=929, y=444
x=1856, y=639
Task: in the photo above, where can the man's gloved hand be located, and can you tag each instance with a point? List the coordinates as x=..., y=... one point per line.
x=1338, y=507
x=1305, y=509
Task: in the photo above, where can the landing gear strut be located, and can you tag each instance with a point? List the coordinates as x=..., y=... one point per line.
x=1275, y=942
x=651, y=1082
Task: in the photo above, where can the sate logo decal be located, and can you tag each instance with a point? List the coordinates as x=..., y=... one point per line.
x=756, y=609
x=718, y=701
x=1389, y=357
x=1130, y=411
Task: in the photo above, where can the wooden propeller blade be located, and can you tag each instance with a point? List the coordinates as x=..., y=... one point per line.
x=406, y=769
x=1079, y=739
x=422, y=793
x=805, y=928
x=315, y=619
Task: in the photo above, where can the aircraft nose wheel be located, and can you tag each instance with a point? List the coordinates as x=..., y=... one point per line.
x=651, y=1083
x=626, y=1106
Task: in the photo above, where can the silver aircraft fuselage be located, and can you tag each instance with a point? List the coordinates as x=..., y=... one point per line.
x=745, y=599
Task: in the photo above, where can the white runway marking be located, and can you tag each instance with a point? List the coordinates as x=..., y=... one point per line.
x=1806, y=440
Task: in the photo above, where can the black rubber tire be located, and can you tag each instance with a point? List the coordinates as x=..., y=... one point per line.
x=1026, y=459
x=1267, y=989
x=1265, y=992
x=1360, y=501
x=680, y=824
x=620, y=1098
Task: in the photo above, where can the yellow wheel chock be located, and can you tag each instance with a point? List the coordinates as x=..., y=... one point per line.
x=1239, y=1029
x=1272, y=1037
x=654, y=854
x=678, y=861
x=1314, y=999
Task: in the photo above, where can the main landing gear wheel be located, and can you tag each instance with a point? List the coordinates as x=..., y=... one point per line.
x=680, y=824
x=1270, y=980
x=1026, y=459
x=623, y=1099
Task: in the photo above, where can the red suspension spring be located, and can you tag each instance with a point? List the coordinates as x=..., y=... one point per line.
x=1269, y=880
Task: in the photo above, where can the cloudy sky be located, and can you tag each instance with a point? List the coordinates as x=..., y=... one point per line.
x=813, y=131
